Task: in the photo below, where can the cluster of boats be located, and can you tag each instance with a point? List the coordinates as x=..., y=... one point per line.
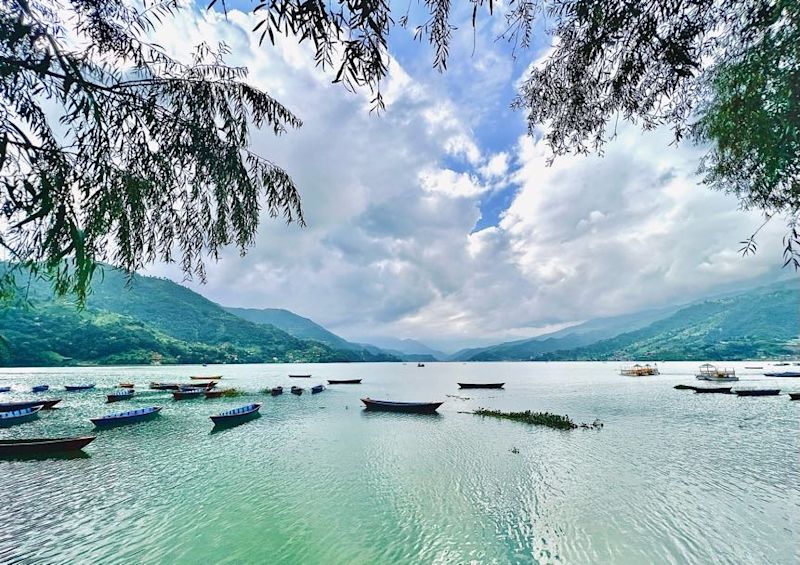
x=711, y=373
x=737, y=392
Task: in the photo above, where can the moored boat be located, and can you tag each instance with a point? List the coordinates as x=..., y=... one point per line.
x=5, y=388
x=685, y=387
x=188, y=393
x=420, y=364
x=783, y=364
x=276, y=391
x=121, y=394
x=124, y=418
x=709, y=372
x=783, y=374
x=40, y=388
x=126, y=385
x=19, y=405
x=344, y=381
x=19, y=416
x=759, y=392
x=317, y=389
x=213, y=393
x=42, y=446
x=794, y=395
x=638, y=370
x=164, y=386
x=481, y=385
x=408, y=407
x=204, y=386
x=50, y=404
x=75, y=388
x=713, y=390
x=754, y=367
x=236, y=415
x=211, y=378
x=300, y=376
x=297, y=390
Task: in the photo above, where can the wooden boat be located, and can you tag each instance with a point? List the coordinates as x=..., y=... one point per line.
x=50, y=404
x=42, y=446
x=794, y=395
x=213, y=393
x=709, y=372
x=126, y=385
x=420, y=364
x=784, y=364
x=783, y=374
x=299, y=376
x=237, y=415
x=685, y=387
x=297, y=390
x=638, y=370
x=124, y=418
x=121, y=394
x=317, y=389
x=5, y=388
x=19, y=405
x=19, y=416
x=344, y=381
x=754, y=367
x=410, y=407
x=204, y=386
x=481, y=385
x=40, y=388
x=276, y=391
x=759, y=392
x=165, y=386
x=211, y=378
x=188, y=393
x=75, y=388
x=713, y=390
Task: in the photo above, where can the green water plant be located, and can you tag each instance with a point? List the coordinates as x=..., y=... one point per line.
x=555, y=421
x=232, y=393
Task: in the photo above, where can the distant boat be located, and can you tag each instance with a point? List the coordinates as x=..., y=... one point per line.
x=276, y=391
x=420, y=364
x=124, y=418
x=5, y=388
x=638, y=370
x=42, y=446
x=205, y=386
x=19, y=405
x=297, y=390
x=759, y=392
x=754, y=367
x=709, y=372
x=481, y=385
x=40, y=388
x=784, y=364
x=188, y=393
x=410, y=407
x=121, y=394
x=19, y=416
x=164, y=386
x=685, y=387
x=712, y=390
x=299, y=376
x=317, y=389
x=783, y=374
x=75, y=388
x=125, y=385
x=237, y=415
x=212, y=378
x=344, y=381
x=794, y=395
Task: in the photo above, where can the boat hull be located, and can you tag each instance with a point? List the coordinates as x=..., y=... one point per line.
x=277, y=391
x=481, y=385
x=20, y=416
x=762, y=392
x=42, y=446
x=344, y=381
x=794, y=395
x=77, y=388
x=317, y=389
x=299, y=376
x=213, y=393
x=227, y=419
x=713, y=390
x=40, y=388
x=716, y=379
x=404, y=407
x=134, y=418
x=10, y=406
x=188, y=394
x=117, y=397
x=787, y=374
x=297, y=390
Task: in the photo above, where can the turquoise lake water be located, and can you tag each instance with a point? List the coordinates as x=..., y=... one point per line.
x=672, y=477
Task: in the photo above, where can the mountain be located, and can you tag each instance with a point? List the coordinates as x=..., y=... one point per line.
x=307, y=329
x=133, y=321
x=760, y=323
x=408, y=349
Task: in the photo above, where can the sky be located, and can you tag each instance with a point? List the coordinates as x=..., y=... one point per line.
x=441, y=220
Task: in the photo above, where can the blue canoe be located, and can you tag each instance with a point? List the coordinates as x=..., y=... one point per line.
x=19, y=416
x=317, y=389
x=129, y=417
x=5, y=388
x=237, y=415
x=40, y=388
x=74, y=388
x=408, y=407
x=120, y=394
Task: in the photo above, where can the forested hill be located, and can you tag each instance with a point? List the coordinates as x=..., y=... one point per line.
x=146, y=319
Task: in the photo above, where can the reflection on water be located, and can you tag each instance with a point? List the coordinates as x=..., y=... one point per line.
x=673, y=477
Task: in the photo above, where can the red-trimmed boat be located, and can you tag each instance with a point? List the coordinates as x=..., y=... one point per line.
x=237, y=415
x=126, y=385
x=481, y=385
x=408, y=407
x=344, y=381
x=123, y=418
x=42, y=446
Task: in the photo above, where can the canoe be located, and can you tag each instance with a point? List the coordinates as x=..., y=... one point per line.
x=213, y=393
x=123, y=418
x=125, y=385
x=9, y=406
x=783, y=374
x=40, y=446
x=212, y=378
x=121, y=394
x=720, y=379
x=299, y=376
x=50, y=404
x=40, y=388
x=410, y=407
x=481, y=385
x=712, y=390
x=759, y=392
x=344, y=381
x=297, y=390
x=5, y=388
x=794, y=395
x=420, y=364
x=75, y=388
x=781, y=364
x=19, y=416
x=164, y=386
x=754, y=367
x=186, y=394
x=317, y=389
x=203, y=386
x=236, y=415
x=277, y=391
x=685, y=387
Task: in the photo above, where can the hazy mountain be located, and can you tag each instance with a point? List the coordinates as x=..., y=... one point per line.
x=408, y=347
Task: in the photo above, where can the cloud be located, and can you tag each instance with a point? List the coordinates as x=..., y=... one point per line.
x=391, y=203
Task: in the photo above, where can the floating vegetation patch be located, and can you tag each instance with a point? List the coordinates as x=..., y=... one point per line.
x=555, y=421
x=232, y=393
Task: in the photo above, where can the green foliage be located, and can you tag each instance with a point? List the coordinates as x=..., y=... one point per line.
x=554, y=421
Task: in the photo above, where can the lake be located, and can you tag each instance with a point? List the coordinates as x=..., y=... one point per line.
x=672, y=477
